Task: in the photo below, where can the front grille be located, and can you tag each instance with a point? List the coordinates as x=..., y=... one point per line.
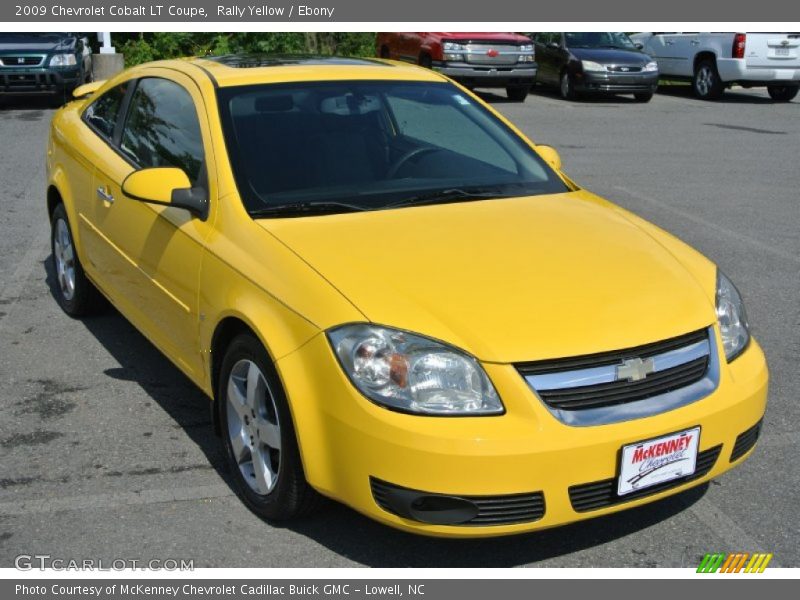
x=620, y=392
x=593, y=381
x=490, y=54
x=21, y=61
x=599, y=494
x=492, y=510
x=10, y=82
x=624, y=68
x=745, y=441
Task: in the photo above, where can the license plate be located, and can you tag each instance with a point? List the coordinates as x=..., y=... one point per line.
x=781, y=51
x=656, y=461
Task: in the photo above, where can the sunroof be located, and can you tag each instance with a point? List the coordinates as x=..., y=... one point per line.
x=250, y=61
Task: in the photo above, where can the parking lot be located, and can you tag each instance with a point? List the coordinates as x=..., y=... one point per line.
x=107, y=450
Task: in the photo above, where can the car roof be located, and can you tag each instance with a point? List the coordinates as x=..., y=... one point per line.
x=248, y=69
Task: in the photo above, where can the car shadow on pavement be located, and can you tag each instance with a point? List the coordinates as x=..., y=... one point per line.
x=732, y=96
x=337, y=527
x=26, y=103
x=143, y=363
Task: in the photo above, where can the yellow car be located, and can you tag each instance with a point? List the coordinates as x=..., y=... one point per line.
x=394, y=298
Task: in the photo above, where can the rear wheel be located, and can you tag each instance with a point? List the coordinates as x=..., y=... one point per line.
x=643, y=96
x=75, y=293
x=782, y=93
x=258, y=434
x=517, y=93
x=706, y=82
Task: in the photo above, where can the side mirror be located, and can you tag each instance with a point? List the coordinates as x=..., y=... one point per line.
x=553, y=45
x=168, y=186
x=639, y=45
x=87, y=89
x=550, y=156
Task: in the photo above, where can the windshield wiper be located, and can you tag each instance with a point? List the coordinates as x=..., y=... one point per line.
x=448, y=196
x=301, y=209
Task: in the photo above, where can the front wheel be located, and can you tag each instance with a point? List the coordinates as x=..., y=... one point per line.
x=706, y=82
x=782, y=93
x=258, y=434
x=643, y=96
x=566, y=87
x=517, y=93
x=75, y=293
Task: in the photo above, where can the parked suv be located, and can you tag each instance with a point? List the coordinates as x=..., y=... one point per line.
x=485, y=60
x=50, y=64
x=715, y=61
x=596, y=62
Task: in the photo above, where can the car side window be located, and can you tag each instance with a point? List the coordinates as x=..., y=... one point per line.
x=102, y=113
x=162, y=129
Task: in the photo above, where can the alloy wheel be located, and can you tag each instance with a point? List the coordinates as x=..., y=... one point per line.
x=253, y=426
x=64, y=253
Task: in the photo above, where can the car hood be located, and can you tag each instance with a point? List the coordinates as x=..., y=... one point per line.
x=508, y=280
x=610, y=56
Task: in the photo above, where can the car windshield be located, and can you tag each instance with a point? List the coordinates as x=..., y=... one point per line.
x=365, y=145
x=599, y=39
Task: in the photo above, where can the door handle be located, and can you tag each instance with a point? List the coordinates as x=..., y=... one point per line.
x=104, y=196
x=669, y=42
x=695, y=42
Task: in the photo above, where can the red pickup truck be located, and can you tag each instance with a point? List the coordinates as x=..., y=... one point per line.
x=486, y=60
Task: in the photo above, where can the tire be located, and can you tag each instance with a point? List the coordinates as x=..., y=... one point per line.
x=643, y=96
x=517, y=93
x=425, y=61
x=76, y=295
x=566, y=87
x=782, y=93
x=258, y=435
x=384, y=52
x=706, y=82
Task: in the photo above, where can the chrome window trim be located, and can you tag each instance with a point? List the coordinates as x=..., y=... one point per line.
x=647, y=407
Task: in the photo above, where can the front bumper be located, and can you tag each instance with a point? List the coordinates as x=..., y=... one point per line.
x=489, y=77
x=348, y=443
x=616, y=83
x=44, y=81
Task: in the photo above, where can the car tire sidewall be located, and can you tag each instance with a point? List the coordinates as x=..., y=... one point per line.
x=716, y=88
x=84, y=300
x=278, y=504
x=782, y=93
x=565, y=86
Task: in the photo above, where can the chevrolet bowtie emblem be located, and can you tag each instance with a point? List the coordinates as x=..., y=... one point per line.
x=635, y=369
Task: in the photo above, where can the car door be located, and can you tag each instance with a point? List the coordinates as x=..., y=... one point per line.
x=546, y=57
x=152, y=253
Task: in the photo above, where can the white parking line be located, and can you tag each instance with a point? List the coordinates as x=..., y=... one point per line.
x=116, y=500
x=711, y=225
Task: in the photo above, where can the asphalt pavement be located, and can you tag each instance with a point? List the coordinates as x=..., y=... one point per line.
x=106, y=450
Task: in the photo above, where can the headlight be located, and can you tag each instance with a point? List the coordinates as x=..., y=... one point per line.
x=453, y=57
x=452, y=47
x=651, y=66
x=63, y=60
x=590, y=65
x=732, y=318
x=526, y=48
x=411, y=373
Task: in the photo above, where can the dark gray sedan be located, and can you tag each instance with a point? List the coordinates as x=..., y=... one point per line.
x=594, y=62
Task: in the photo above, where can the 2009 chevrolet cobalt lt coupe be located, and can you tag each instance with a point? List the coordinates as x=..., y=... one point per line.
x=394, y=298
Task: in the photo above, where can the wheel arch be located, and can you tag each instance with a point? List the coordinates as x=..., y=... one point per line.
x=701, y=56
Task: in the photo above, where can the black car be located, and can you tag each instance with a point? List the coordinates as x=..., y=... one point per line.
x=594, y=62
x=51, y=64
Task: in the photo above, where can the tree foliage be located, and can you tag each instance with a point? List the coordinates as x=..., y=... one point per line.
x=144, y=47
